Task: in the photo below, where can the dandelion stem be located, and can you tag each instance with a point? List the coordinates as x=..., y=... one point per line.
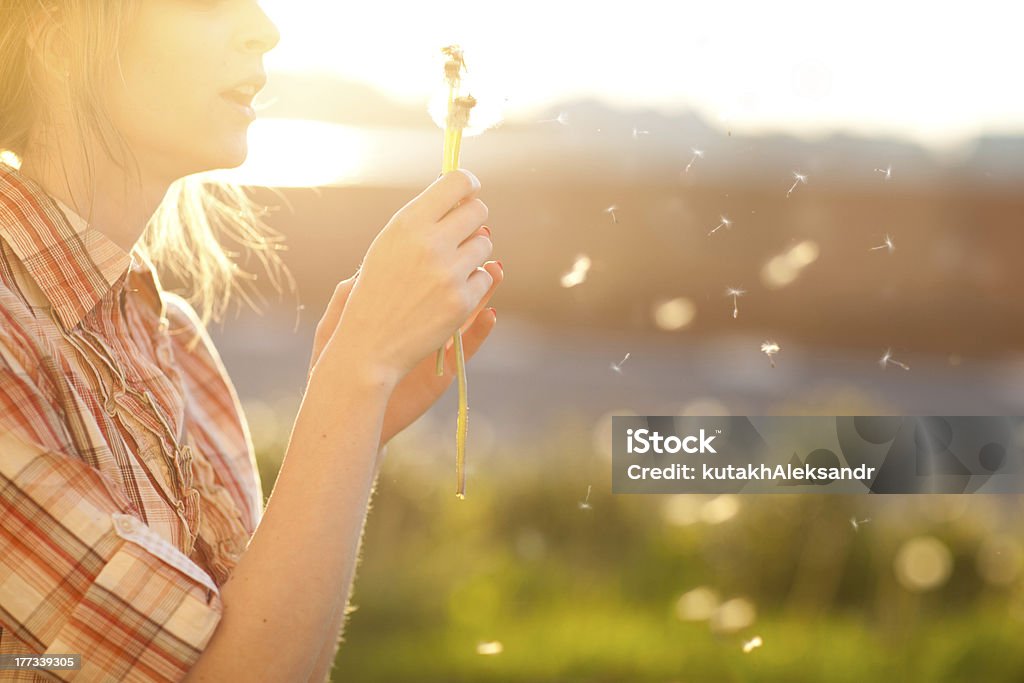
x=458, y=118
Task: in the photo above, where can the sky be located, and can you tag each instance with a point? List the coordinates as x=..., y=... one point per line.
x=936, y=73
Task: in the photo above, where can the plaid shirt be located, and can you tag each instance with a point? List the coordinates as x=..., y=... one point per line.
x=128, y=481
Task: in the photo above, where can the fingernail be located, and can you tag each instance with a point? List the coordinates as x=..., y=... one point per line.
x=487, y=229
x=493, y=311
x=500, y=266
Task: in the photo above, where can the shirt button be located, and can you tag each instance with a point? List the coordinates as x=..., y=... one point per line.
x=126, y=524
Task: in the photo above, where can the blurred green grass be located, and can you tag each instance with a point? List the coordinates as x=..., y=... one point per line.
x=581, y=594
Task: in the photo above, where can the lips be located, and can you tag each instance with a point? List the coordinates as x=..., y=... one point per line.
x=243, y=93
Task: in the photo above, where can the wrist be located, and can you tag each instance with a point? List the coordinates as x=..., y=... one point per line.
x=354, y=370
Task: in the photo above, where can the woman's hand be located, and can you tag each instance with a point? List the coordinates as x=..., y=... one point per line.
x=423, y=277
x=421, y=388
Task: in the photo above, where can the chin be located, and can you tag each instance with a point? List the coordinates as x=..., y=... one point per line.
x=227, y=156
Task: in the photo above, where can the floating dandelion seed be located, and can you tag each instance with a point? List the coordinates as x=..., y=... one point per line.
x=885, y=245
x=562, y=119
x=578, y=274
x=637, y=133
x=697, y=154
x=611, y=211
x=585, y=503
x=887, y=359
x=617, y=367
x=735, y=294
x=770, y=348
x=752, y=644
x=855, y=523
x=726, y=223
x=886, y=172
x=798, y=178
x=491, y=648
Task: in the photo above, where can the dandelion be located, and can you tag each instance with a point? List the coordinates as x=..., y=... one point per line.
x=490, y=648
x=886, y=172
x=697, y=154
x=735, y=294
x=585, y=503
x=458, y=118
x=770, y=348
x=855, y=523
x=611, y=211
x=578, y=274
x=617, y=367
x=637, y=133
x=752, y=644
x=887, y=244
x=797, y=179
x=887, y=359
x=561, y=119
x=725, y=223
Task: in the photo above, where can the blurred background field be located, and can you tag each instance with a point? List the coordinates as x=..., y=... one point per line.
x=541, y=574
x=625, y=141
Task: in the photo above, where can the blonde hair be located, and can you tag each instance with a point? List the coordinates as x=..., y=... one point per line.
x=185, y=235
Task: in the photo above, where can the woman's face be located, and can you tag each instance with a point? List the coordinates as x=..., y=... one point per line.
x=188, y=72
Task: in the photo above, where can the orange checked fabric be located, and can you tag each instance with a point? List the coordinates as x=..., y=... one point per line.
x=128, y=482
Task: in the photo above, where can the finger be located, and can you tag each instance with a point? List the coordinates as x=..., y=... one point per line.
x=337, y=302
x=473, y=254
x=494, y=268
x=473, y=337
x=440, y=196
x=463, y=221
x=479, y=283
x=482, y=230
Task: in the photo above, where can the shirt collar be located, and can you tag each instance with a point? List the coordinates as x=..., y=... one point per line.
x=73, y=264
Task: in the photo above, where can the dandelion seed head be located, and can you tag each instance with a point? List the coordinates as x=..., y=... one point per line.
x=770, y=349
x=733, y=291
x=887, y=244
x=887, y=360
x=617, y=367
x=800, y=177
x=855, y=523
x=699, y=153
x=585, y=503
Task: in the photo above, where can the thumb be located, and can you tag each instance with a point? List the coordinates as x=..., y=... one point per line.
x=335, y=307
x=339, y=299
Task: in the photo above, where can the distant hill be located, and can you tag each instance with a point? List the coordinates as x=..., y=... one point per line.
x=601, y=143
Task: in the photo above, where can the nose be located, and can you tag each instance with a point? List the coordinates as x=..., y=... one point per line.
x=259, y=34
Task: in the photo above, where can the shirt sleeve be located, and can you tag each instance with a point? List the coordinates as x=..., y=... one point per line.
x=79, y=576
